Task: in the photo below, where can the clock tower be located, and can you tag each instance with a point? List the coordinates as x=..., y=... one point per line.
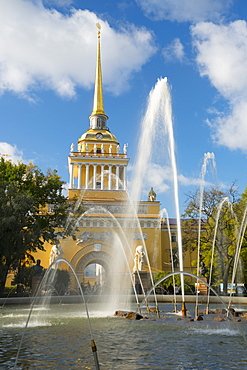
x=98, y=167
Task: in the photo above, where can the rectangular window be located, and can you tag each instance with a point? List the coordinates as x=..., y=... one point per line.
x=174, y=238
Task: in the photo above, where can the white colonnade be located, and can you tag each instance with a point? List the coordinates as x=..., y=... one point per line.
x=116, y=181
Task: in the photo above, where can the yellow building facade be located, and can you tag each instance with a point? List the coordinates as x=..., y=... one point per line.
x=98, y=177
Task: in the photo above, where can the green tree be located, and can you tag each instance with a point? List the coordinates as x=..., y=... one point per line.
x=227, y=226
x=31, y=208
x=189, y=286
x=23, y=275
x=242, y=209
x=58, y=278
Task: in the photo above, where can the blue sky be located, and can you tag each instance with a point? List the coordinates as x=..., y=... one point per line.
x=47, y=70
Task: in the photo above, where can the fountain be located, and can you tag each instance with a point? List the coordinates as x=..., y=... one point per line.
x=60, y=338
x=207, y=157
x=121, y=278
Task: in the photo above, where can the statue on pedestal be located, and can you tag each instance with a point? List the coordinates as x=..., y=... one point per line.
x=203, y=269
x=151, y=195
x=125, y=148
x=37, y=268
x=139, y=258
x=37, y=277
x=56, y=252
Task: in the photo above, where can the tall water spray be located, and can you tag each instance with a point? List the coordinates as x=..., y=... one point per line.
x=208, y=158
x=158, y=122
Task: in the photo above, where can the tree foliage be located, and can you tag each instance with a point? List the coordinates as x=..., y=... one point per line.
x=57, y=278
x=31, y=208
x=221, y=214
x=167, y=283
x=23, y=276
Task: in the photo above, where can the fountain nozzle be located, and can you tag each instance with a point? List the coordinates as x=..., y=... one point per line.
x=94, y=350
x=183, y=310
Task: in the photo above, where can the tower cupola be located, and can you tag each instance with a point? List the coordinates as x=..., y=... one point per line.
x=98, y=167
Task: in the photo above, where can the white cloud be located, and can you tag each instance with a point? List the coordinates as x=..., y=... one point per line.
x=161, y=179
x=221, y=55
x=231, y=130
x=158, y=177
x=189, y=181
x=174, y=51
x=42, y=48
x=185, y=10
x=65, y=189
x=10, y=152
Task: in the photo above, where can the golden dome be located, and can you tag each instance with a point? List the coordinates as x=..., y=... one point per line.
x=98, y=135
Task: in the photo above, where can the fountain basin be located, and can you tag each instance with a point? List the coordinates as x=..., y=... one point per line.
x=58, y=338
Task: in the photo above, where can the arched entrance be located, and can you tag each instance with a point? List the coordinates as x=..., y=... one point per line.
x=92, y=266
x=94, y=271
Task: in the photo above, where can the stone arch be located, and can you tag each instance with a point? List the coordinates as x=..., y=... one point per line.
x=100, y=258
x=87, y=254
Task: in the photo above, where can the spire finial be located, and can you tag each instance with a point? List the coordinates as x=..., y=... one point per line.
x=98, y=103
x=98, y=25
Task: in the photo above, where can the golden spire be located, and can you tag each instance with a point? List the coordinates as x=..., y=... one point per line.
x=98, y=102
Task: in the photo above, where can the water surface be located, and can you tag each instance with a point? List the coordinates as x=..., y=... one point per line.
x=59, y=338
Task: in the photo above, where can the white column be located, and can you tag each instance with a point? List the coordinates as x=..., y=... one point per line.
x=79, y=176
x=102, y=177
x=71, y=180
x=94, y=176
x=110, y=176
x=117, y=177
x=124, y=178
x=87, y=176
